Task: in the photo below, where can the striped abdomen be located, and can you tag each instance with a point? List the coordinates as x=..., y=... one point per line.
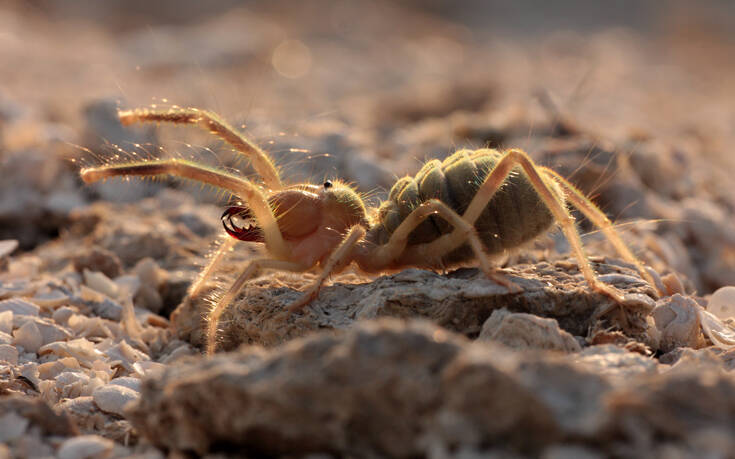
x=514, y=215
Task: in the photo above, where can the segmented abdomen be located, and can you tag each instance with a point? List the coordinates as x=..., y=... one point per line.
x=513, y=216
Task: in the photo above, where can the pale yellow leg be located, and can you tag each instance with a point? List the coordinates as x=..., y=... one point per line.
x=241, y=187
x=485, y=193
x=396, y=247
x=229, y=296
x=217, y=126
x=596, y=216
x=335, y=261
x=206, y=273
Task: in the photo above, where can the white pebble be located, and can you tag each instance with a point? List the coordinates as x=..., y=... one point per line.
x=113, y=398
x=20, y=307
x=7, y=246
x=127, y=381
x=85, y=447
x=28, y=336
x=722, y=302
x=8, y=354
x=5, y=338
x=50, y=332
x=100, y=283
x=6, y=322
x=61, y=315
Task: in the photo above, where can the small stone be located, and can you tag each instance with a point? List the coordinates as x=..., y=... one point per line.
x=722, y=303
x=29, y=337
x=86, y=447
x=5, y=338
x=677, y=319
x=112, y=398
x=527, y=331
x=20, y=307
x=51, y=370
x=12, y=426
x=127, y=381
x=50, y=332
x=6, y=321
x=100, y=283
x=100, y=260
x=7, y=246
x=61, y=316
x=8, y=354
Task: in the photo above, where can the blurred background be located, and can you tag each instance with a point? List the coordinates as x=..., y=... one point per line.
x=632, y=100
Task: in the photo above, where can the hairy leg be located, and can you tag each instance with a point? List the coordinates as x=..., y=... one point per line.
x=494, y=180
x=252, y=268
x=217, y=126
x=395, y=249
x=214, y=260
x=591, y=211
x=190, y=170
x=336, y=261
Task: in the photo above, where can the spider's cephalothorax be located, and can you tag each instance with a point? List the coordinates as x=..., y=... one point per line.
x=471, y=205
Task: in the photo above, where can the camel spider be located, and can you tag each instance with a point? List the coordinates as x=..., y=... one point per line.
x=472, y=204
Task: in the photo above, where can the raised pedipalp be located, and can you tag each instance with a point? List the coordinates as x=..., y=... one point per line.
x=248, y=232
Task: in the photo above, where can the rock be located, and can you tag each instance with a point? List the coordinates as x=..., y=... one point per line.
x=461, y=301
x=101, y=283
x=127, y=381
x=722, y=303
x=8, y=354
x=50, y=332
x=380, y=388
x=28, y=336
x=20, y=307
x=39, y=414
x=677, y=318
x=527, y=331
x=86, y=447
x=97, y=259
x=113, y=398
x=6, y=322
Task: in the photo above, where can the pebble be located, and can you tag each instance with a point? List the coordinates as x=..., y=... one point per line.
x=28, y=336
x=527, y=331
x=6, y=322
x=5, y=338
x=100, y=283
x=7, y=246
x=722, y=303
x=50, y=332
x=12, y=426
x=20, y=307
x=8, y=354
x=61, y=316
x=677, y=319
x=86, y=447
x=81, y=349
x=127, y=381
x=112, y=398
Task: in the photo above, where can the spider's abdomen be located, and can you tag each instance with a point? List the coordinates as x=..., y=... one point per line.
x=514, y=215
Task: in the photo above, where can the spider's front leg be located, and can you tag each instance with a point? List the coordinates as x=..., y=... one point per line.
x=210, y=121
x=226, y=299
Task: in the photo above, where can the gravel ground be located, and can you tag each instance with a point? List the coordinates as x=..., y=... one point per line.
x=100, y=345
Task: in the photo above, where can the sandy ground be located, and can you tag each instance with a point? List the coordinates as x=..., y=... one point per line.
x=632, y=104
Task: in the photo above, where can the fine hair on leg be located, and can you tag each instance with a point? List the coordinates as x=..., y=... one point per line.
x=210, y=121
x=239, y=186
x=222, y=303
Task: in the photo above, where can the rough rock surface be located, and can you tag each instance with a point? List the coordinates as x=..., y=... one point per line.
x=460, y=301
x=410, y=388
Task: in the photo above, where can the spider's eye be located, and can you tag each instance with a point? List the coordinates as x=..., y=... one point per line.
x=327, y=184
